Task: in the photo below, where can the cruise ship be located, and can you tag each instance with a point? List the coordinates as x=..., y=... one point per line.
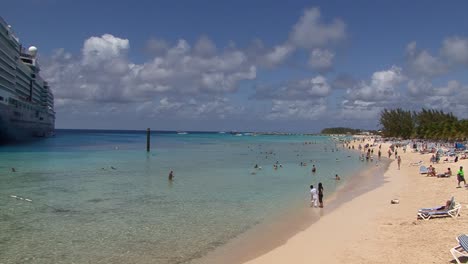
x=26, y=101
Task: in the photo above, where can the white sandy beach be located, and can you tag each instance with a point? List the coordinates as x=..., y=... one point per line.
x=369, y=229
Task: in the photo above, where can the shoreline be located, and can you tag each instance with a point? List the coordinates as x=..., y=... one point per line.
x=369, y=229
x=260, y=239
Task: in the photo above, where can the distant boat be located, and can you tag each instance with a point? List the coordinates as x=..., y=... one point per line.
x=222, y=132
x=182, y=133
x=238, y=135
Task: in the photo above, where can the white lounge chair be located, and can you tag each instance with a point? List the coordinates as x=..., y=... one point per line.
x=426, y=215
x=461, y=249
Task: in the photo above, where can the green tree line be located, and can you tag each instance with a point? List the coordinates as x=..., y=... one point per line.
x=426, y=124
x=339, y=130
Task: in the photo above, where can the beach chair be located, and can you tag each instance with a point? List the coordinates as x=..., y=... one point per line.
x=451, y=206
x=454, y=212
x=461, y=249
x=423, y=170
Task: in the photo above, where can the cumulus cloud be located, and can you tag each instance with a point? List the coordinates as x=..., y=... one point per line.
x=310, y=32
x=204, y=47
x=104, y=73
x=305, y=89
x=278, y=55
x=296, y=109
x=321, y=59
x=455, y=49
x=382, y=86
x=450, y=97
x=422, y=63
x=156, y=46
x=104, y=48
x=218, y=108
x=357, y=109
x=424, y=88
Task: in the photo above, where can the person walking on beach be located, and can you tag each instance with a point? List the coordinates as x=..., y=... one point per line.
x=399, y=161
x=461, y=177
x=320, y=194
x=313, y=196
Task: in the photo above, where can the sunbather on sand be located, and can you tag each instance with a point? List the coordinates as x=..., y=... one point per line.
x=441, y=208
x=448, y=173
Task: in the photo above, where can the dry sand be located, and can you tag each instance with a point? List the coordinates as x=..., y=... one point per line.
x=369, y=229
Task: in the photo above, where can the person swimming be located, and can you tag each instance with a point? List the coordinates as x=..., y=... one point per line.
x=337, y=178
x=13, y=170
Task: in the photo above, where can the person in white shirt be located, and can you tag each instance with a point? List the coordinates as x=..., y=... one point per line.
x=313, y=196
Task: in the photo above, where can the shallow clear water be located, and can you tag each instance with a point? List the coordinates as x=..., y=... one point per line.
x=98, y=196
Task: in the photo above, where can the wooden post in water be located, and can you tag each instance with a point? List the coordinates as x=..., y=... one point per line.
x=148, y=143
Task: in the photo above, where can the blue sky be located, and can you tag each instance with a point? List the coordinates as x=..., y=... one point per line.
x=245, y=65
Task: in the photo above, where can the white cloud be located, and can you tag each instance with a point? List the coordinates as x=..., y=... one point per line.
x=104, y=48
x=190, y=108
x=419, y=87
x=422, y=63
x=304, y=89
x=278, y=54
x=321, y=59
x=157, y=46
x=455, y=49
x=104, y=73
x=424, y=88
x=296, y=109
x=204, y=47
x=382, y=87
x=357, y=109
x=317, y=86
x=310, y=32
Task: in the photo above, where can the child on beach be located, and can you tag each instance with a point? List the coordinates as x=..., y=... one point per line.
x=313, y=196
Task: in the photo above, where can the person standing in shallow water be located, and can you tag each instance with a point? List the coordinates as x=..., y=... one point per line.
x=171, y=175
x=320, y=194
x=313, y=196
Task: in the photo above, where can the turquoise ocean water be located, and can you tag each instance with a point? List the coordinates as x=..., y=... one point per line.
x=98, y=197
